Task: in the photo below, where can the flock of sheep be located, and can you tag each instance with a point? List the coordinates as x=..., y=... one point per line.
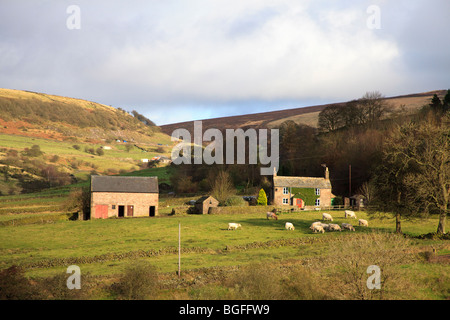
x=317, y=226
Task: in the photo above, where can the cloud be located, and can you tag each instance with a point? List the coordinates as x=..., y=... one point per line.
x=212, y=56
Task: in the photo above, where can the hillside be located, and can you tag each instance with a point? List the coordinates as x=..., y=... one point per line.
x=48, y=140
x=304, y=115
x=60, y=118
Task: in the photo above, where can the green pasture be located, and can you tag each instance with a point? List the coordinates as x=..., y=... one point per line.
x=104, y=247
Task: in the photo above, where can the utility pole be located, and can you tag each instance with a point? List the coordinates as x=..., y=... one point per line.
x=179, y=250
x=349, y=180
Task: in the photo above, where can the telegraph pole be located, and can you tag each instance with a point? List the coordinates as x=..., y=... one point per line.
x=179, y=250
x=349, y=181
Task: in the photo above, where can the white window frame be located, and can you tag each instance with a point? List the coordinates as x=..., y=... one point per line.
x=285, y=190
x=317, y=202
x=317, y=192
x=285, y=201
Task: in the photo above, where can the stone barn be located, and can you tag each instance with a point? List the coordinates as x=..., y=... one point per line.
x=204, y=203
x=119, y=196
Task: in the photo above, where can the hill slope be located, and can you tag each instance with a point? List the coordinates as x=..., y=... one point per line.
x=48, y=140
x=49, y=116
x=304, y=115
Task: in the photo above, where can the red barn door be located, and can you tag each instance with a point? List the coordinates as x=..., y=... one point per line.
x=101, y=211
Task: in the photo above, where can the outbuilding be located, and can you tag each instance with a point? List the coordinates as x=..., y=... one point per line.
x=120, y=196
x=204, y=203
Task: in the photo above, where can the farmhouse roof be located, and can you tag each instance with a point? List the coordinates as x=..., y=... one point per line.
x=124, y=184
x=301, y=182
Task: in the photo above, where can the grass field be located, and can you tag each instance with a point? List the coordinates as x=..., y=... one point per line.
x=37, y=234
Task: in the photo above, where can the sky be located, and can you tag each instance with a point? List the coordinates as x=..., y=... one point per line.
x=176, y=61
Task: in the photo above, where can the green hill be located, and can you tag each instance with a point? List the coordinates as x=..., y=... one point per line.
x=48, y=140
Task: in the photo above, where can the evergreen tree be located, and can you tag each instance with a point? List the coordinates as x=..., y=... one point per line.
x=262, y=198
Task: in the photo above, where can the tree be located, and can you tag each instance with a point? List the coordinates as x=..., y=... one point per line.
x=331, y=118
x=414, y=177
x=374, y=106
x=222, y=187
x=446, y=101
x=436, y=103
x=262, y=198
x=429, y=151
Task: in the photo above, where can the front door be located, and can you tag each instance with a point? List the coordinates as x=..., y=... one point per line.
x=299, y=203
x=129, y=211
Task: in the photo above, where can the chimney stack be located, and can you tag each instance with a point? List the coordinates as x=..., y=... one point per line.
x=327, y=173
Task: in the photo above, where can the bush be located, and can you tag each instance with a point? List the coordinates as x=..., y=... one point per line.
x=236, y=201
x=262, y=198
x=15, y=286
x=140, y=281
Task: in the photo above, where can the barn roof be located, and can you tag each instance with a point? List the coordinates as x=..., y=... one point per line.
x=204, y=198
x=301, y=182
x=124, y=184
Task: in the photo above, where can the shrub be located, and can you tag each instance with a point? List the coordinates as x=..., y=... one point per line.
x=15, y=286
x=236, y=201
x=139, y=281
x=262, y=198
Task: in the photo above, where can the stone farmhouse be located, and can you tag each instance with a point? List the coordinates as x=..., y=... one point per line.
x=302, y=192
x=120, y=196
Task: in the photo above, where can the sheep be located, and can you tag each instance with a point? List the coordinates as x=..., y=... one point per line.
x=325, y=226
x=334, y=227
x=363, y=223
x=234, y=226
x=271, y=215
x=350, y=214
x=314, y=224
x=348, y=226
x=289, y=226
x=326, y=216
x=318, y=228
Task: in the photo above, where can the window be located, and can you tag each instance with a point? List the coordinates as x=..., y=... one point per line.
x=317, y=202
x=285, y=201
x=113, y=206
x=317, y=192
x=285, y=190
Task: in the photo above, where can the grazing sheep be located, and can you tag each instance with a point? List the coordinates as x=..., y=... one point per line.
x=271, y=215
x=318, y=228
x=363, y=223
x=348, y=226
x=350, y=214
x=234, y=226
x=289, y=226
x=326, y=216
x=317, y=223
x=334, y=227
x=325, y=226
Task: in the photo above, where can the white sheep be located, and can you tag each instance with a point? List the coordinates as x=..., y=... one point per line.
x=318, y=228
x=348, y=226
x=234, y=226
x=271, y=215
x=350, y=214
x=317, y=223
x=325, y=226
x=334, y=227
x=289, y=226
x=363, y=222
x=326, y=216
